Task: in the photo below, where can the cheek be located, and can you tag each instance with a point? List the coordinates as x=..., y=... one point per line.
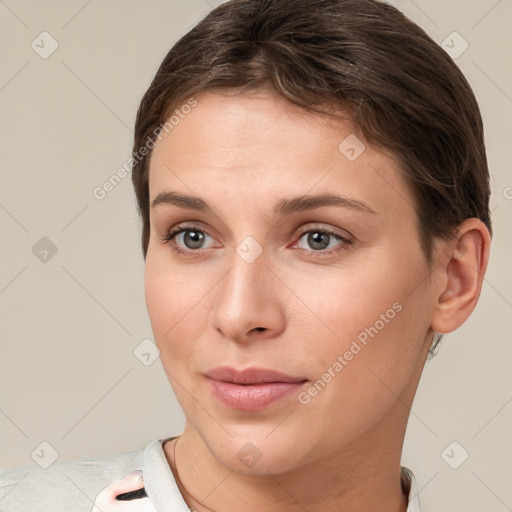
x=379, y=332
x=377, y=314
x=177, y=303
x=361, y=302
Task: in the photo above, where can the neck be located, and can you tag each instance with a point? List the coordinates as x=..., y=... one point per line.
x=364, y=476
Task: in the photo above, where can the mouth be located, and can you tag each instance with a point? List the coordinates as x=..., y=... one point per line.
x=251, y=389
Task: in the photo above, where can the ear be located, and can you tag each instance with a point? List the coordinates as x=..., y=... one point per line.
x=464, y=267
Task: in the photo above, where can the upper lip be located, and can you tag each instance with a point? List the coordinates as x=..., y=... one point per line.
x=249, y=375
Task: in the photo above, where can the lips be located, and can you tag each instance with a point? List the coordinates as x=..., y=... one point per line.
x=250, y=375
x=253, y=388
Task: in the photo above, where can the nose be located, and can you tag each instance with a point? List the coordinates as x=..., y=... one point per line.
x=248, y=305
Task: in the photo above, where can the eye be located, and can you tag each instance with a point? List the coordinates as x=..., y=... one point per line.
x=318, y=240
x=191, y=237
x=188, y=240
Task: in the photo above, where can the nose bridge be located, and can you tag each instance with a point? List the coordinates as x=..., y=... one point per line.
x=243, y=301
x=246, y=282
x=248, y=261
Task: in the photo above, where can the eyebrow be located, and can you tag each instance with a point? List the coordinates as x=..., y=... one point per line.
x=283, y=207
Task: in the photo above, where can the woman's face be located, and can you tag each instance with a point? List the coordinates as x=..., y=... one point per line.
x=268, y=274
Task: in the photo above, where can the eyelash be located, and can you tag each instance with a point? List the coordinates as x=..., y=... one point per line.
x=173, y=233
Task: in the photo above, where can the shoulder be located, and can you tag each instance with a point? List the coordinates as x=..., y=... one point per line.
x=65, y=485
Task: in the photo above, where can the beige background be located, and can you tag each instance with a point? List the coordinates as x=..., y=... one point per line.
x=69, y=325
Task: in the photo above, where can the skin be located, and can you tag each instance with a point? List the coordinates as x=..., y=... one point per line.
x=340, y=451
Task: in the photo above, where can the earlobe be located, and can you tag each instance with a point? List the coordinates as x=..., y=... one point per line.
x=464, y=269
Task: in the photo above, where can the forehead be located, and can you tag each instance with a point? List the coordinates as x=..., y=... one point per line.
x=264, y=147
x=224, y=121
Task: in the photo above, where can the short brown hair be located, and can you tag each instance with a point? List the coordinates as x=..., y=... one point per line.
x=402, y=90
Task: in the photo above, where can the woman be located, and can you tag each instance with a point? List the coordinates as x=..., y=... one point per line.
x=314, y=192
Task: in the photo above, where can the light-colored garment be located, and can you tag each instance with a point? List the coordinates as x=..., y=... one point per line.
x=91, y=484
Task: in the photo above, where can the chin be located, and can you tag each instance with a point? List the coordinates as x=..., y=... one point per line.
x=253, y=452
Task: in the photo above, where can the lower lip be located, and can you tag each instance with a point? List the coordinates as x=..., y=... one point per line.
x=252, y=397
